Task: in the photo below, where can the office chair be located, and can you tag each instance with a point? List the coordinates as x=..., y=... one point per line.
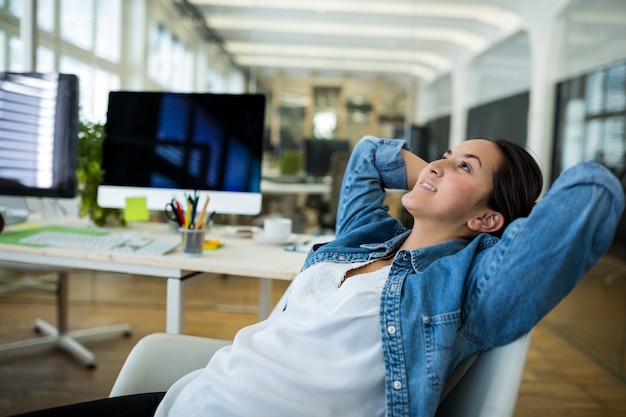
x=16, y=280
x=58, y=336
x=328, y=212
x=51, y=279
x=484, y=385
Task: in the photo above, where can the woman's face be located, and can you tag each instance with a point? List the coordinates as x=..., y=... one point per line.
x=453, y=189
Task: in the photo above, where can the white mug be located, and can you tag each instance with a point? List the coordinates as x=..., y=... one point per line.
x=277, y=228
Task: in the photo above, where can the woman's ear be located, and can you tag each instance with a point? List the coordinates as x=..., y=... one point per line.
x=487, y=223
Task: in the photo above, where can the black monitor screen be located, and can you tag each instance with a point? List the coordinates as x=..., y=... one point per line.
x=317, y=154
x=38, y=134
x=184, y=141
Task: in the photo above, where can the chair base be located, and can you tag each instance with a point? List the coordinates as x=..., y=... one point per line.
x=60, y=336
x=29, y=283
x=68, y=341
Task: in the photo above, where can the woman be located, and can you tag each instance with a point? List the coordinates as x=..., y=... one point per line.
x=379, y=317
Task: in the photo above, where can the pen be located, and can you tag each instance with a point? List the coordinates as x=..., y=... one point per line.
x=194, y=207
x=179, y=212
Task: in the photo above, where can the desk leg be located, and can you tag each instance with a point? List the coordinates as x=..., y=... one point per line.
x=265, y=298
x=175, y=313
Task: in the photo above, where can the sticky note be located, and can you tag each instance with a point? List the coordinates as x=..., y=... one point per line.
x=136, y=209
x=212, y=244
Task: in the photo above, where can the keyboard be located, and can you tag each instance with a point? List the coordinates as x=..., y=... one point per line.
x=112, y=243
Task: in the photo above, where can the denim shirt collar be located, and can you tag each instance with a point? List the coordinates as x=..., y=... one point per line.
x=422, y=257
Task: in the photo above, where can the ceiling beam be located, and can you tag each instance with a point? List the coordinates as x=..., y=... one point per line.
x=492, y=15
x=431, y=59
x=463, y=38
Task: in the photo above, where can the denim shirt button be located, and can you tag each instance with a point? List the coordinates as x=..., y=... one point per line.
x=393, y=286
x=397, y=384
x=342, y=258
x=391, y=329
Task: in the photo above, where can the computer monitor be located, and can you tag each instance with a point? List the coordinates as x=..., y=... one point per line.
x=317, y=154
x=38, y=136
x=163, y=145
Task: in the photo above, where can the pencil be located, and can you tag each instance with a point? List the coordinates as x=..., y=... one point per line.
x=188, y=214
x=201, y=221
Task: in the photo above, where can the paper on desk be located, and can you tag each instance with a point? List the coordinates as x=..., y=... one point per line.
x=14, y=236
x=308, y=245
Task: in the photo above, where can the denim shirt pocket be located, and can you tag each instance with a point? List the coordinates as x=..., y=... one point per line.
x=439, y=336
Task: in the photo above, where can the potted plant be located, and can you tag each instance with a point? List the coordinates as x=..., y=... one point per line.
x=89, y=174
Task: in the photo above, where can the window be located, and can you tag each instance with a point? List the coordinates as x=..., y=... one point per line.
x=170, y=62
x=326, y=100
x=2, y=50
x=45, y=59
x=15, y=54
x=45, y=15
x=93, y=26
x=615, y=92
x=84, y=37
x=77, y=19
x=591, y=117
x=15, y=7
x=595, y=91
x=158, y=53
x=94, y=88
x=108, y=30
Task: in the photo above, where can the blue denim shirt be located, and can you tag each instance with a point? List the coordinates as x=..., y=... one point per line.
x=445, y=302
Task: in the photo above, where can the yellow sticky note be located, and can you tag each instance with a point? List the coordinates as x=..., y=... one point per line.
x=136, y=209
x=212, y=244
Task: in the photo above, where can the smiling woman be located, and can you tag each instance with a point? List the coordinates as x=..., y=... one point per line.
x=439, y=294
x=449, y=197
x=465, y=189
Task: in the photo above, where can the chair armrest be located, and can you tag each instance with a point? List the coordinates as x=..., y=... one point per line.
x=160, y=359
x=490, y=386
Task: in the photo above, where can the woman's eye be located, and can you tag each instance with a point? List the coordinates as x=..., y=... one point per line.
x=465, y=166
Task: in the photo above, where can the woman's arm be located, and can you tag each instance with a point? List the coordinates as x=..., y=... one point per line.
x=375, y=165
x=414, y=165
x=542, y=257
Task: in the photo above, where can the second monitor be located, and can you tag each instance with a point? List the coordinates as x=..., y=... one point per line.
x=317, y=153
x=161, y=145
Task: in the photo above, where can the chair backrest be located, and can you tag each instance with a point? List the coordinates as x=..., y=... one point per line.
x=338, y=164
x=489, y=386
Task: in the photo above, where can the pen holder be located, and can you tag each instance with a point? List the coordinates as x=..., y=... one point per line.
x=192, y=241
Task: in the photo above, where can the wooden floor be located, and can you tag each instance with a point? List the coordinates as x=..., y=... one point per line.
x=575, y=366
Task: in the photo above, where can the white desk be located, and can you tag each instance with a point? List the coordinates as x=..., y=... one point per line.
x=238, y=256
x=288, y=194
x=293, y=188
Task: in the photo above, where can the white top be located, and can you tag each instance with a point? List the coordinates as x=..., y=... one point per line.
x=322, y=356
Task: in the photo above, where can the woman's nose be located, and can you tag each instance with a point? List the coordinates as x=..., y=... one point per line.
x=436, y=167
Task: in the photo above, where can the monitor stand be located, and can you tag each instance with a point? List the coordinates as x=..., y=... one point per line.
x=13, y=209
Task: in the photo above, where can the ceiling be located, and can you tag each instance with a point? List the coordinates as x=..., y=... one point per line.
x=395, y=38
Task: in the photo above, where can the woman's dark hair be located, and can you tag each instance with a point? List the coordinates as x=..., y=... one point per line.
x=517, y=183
